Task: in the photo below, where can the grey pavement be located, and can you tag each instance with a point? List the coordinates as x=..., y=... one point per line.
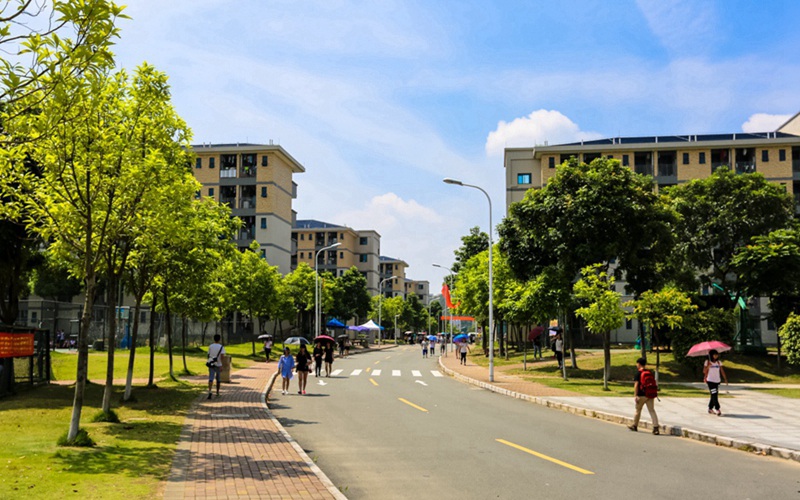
x=753, y=421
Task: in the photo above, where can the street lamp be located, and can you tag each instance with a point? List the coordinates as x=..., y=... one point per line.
x=445, y=303
x=380, y=305
x=317, y=305
x=491, y=301
x=395, y=328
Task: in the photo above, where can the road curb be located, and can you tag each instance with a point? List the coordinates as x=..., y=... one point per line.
x=299, y=449
x=673, y=430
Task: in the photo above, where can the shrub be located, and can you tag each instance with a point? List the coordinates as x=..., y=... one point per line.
x=81, y=439
x=790, y=339
x=102, y=416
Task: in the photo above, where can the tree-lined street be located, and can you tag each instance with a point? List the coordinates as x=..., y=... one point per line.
x=406, y=433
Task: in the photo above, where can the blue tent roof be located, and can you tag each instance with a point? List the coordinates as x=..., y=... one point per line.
x=334, y=323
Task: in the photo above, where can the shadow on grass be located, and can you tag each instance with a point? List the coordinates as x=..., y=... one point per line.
x=154, y=432
x=119, y=460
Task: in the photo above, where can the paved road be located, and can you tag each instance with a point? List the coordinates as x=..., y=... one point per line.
x=385, y=426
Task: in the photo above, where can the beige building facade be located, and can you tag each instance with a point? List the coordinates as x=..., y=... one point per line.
x=359, y=248
x=256, y=181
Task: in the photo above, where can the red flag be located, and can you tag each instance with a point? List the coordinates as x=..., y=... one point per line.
x=448, y=301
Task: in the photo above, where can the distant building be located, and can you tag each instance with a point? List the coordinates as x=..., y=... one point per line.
x=389, y=267
x=419, y=288
x=255, y=180
x=359, y=248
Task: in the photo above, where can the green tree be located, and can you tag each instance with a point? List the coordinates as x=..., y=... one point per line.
x=603, y=312
x=350, y=295
x=719, y=215
x=471, y=245
x=790, y=337
x=660, y=311
x=299, y=287
x=584, y=215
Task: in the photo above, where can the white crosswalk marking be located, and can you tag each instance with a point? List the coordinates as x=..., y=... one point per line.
x=395, y=373
x=416, y=373
x=335, y=372
x=376, y=373
x=355, y=373
x=436, y=373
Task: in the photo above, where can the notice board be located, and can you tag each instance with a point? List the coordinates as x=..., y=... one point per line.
x=16, y=345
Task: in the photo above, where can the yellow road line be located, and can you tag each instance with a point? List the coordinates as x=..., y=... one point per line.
x=373, y=382
x=387, y=357
x=409, y=403
x=368, y=369
x=545, y=457
x=377, y=362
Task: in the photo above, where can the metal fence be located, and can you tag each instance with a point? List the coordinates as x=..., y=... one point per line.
x=20, y=372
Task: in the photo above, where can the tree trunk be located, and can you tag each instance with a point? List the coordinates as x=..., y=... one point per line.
x=642, y=341
x=111, y=293
x=254, y=322
x=169, y=334
x=572, y=357
x=606, y=359
x=203, y=333
x=657, y=345
x=150, y=382
x=83, y=357
x=779, y=352
x=184, y=334
x=132, y=355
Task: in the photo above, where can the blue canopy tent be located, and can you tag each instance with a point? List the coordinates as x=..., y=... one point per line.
x=335, y=323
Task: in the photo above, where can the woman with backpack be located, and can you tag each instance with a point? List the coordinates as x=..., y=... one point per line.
x=713, y=374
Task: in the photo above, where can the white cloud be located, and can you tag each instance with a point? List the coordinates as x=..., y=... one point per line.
x=536, y=128
x=764, y=122
x=681, y=25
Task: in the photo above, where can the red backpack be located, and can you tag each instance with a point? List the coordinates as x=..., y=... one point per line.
x=648, y=384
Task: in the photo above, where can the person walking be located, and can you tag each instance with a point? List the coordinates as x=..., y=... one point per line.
x=558, y=347
x=214, y=363
x=318, y=352
x=537, y=348
x=424, y=348
x=303, y=359
x=713, y=374
x=347, y=348
x=285, y=367
x=463, y=348
x=328, y=353
x=267, y=348
x=645, y=392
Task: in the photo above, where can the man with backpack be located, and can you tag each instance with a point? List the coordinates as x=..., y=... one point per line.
x=645, y=390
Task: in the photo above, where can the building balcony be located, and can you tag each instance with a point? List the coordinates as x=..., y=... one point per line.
x=643, y=169
x=247, y=172
x=228, y=200
x=248, y=202
x=229, y=173
x=746, y=167
x=667, y=170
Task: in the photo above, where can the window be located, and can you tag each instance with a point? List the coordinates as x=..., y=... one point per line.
x=34, y=316
x=302, y=255
x=590, y=157
x=523, y=178
x=628, y=324
x=395, y=268
x=211, y=191
x=341, y=236
x=564, y=158
x=263, y=191
x=420, y=287
x=302, y=236
x=781, y=155
x=551, y=162
x=363, y=257
x=341, y=255
x=227, y=161
x=264, y=161
x=770, y=324
x=263, y=254
x=263, y=223
x=765, y=155
x=143, y=317
x=198, y=163
x=249, y=160
x=197, y=195
x=626, y=162
x=702, y=157
x=610, y=157
x=362, y=240
x=685, y=158
x=211, y=162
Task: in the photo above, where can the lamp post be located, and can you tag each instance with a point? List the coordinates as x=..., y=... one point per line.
x=491, y=291
x=380, y=304
x=445, y=303
x=395, y=328
x=317, y=306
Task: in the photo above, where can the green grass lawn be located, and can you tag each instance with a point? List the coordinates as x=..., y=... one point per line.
x=587, y=379
x=65, y=364
x=130, y=459
x=786, y=393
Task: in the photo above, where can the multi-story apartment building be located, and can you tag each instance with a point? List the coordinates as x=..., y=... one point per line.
x=389, y=267
x=419, y=288
x=255, y=180
x=357, y=248
x=670, y=160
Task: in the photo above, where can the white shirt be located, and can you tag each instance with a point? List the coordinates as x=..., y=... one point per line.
x=713, y=371
x=215, y=351
x=559, y=345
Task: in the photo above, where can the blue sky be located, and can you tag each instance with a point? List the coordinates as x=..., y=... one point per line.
x=380, y=100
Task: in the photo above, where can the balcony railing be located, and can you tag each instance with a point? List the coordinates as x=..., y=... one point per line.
x=248, y=172
x=667, y=170
x=745, y=167
x=229, y=200
x=247, y=233
x=248, y=202
x=796, y=166
x=643, y=169
x=227, y=173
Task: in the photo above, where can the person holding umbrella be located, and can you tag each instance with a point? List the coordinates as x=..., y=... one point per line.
x=318, y=352
x=713, y=374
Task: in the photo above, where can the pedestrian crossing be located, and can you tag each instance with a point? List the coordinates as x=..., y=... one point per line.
x=377, y=373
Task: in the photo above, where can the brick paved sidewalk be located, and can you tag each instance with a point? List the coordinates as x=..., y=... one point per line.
x=232, y=447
